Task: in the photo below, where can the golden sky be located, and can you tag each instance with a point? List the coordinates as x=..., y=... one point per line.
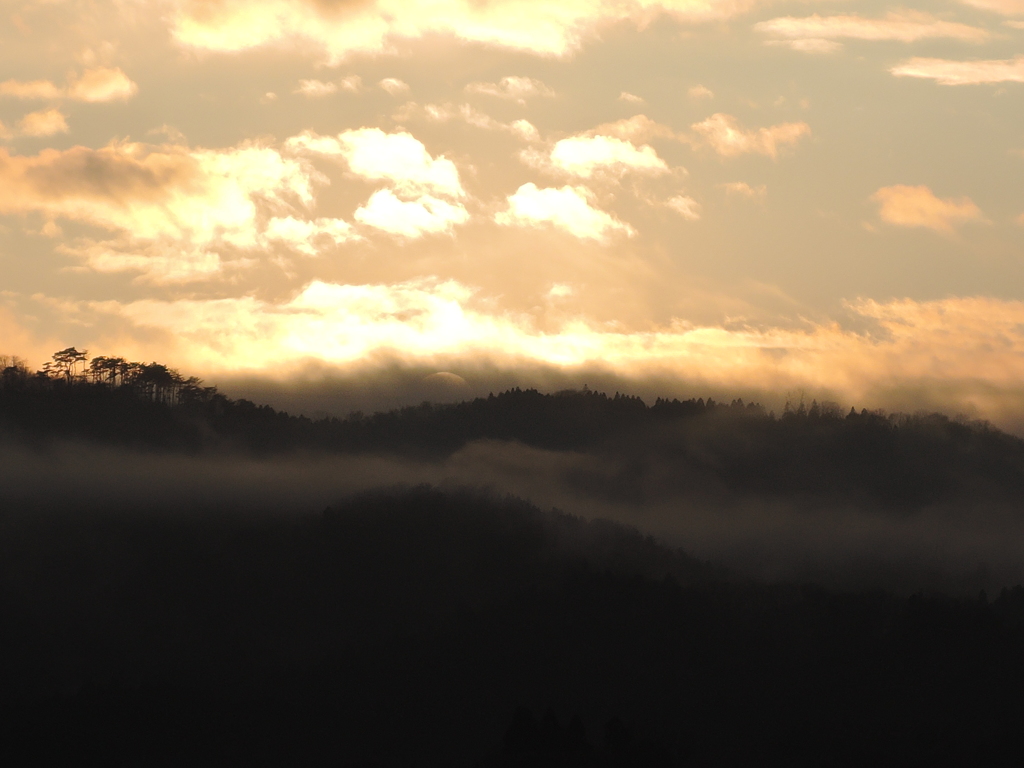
x=741, y=196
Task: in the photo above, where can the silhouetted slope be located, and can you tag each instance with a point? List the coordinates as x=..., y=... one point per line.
x=862, y=458
x=429, y=628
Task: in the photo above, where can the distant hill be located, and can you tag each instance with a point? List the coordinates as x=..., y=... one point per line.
x=899, y=461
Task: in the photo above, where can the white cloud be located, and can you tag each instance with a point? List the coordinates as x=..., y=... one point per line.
x=315, y=89
x=157, y=200
x=725, y=136
x=808, y=45
x=685, y=206
x=307, y=236
x=338, y=31
x=700, y=92
x=398, y=158
x=410, y=218
x=813, y=33
x=568, y=209
x=525, y=130
x=46, y=122
x=632, y=98
x=99, y=84
x=394, y=86
x=946, y=72
x=584, y=156
x=907, y=206
x=517, y=89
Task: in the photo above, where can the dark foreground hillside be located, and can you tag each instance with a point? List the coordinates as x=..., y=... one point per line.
x=422, y=627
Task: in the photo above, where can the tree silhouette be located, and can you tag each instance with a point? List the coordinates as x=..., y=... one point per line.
x=66, y=362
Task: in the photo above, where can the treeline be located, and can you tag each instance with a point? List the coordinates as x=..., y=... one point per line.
x=665, y=449
x=429, y=628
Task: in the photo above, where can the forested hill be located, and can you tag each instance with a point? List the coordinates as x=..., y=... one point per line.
x=863, y=456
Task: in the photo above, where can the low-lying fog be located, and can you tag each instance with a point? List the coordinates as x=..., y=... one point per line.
x=956, y=548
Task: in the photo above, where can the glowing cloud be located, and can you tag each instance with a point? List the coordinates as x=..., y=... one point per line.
x=743, y=189
x=44, y=123
x=393, y=86
x=374, y=26
x=95, y=85
x=568, y=209
x=517, y=89
x=398, y=158
x=306, y=236
x=583, y=156
x=946, y=72
x=818, y=33
x=636, y=128
x=685, y=206
x=907, y=206
x=725, y=136
x=700, y=92
x=316, y=89
x=410, y=218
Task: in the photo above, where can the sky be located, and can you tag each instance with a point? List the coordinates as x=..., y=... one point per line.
x=770, y=200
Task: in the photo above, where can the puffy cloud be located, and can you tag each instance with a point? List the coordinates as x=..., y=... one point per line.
x=397, y=158
x=94, y=85
x=817, y=34
x=306, y=236
x=410, y=218
x=339, y=30
x=46, y=122
x=525, y=130
x=725, y=136
x=517, y=89
x=908, y=206
x=158, y=200
x=393, y=86
x=946, y=72
x=102, y=84
x=316, y=89
x=685, y=206
x=568, y=209
x=700, y=92
x=584, y=156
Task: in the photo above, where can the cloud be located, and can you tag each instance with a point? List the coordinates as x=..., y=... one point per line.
x=410, y=218
x=307, y=236
x=700, y=92
x=339, y=30
x=725, y=136
x=585, y=156
x=517, y=89
x=685, y=206
x=397, y=158
x=946, y=72
x=1005, y=7
x=632, y=98
x=743, y=189
x=316, y=89
x=393, y=86
x=636, y=128
x=967, y=351
x=907, y=206
x=44, y=123
x=817, y=34
x=31, y=90
x=568, y=209
x=157, y=200
x=525, y=130
x=352, y=84
x=100, y=84
x=443, y=113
